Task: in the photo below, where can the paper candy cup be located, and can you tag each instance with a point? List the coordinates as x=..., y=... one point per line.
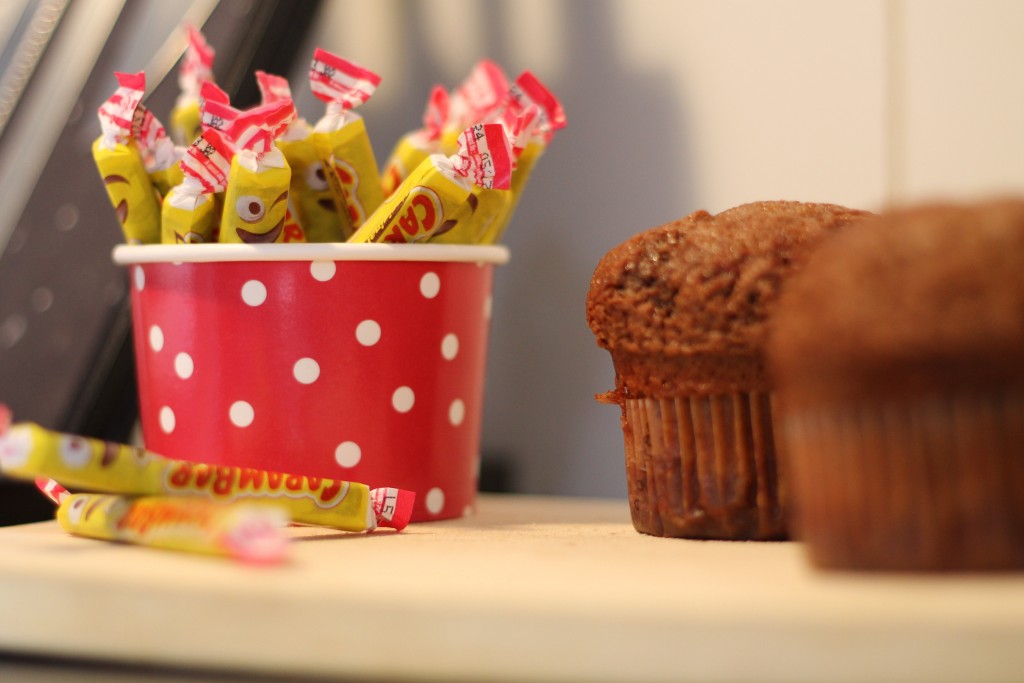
x=362, y=362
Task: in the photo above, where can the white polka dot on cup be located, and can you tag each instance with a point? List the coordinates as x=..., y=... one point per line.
x=241, y=413
x=403, y=399
x=254, y=293
x=306, y=370
x=456, y=412
x=140, y=278
x=434, y=501
x=430, y=285
x=323, y=271
x=166, y=419
x=183, y=365
x=450, y=346
x=156, y=338
x=368, y=332
x=348, y=454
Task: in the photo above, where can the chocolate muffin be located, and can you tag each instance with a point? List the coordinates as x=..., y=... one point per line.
x=899, y=357
x=683, y=309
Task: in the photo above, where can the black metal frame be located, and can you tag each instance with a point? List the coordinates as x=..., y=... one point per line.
x=73, y=370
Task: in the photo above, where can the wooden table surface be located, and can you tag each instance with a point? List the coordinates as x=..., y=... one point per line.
x=527, y=589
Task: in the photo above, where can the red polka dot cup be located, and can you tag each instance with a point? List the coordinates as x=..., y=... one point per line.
x=362, y=362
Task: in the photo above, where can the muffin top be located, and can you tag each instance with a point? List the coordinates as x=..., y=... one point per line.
x=704, y=284
x=683, y=307
x=915, y=301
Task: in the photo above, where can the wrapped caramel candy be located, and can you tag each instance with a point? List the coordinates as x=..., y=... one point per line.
x=120, y=163
x=341, y=138
x=29, y=451
x=433, y=199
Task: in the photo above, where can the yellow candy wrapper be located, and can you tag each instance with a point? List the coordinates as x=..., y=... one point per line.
x=310, y=198
x=160, y=156
x=130, y=190
x=196, y=67
x=340, y=136
x=483, y=207
x=164, y=179
x=255, y=205
x=120, y=163
x=420, y=206
x=434, y=197
x=189, y=213
x=495, y=228
x=256, y=199
x=486, y=206
x=250, y=532
x=28, y=451
x=350, y=167
x=309, y=193
x=415, y=146
x=185, y=121
x=409, y=152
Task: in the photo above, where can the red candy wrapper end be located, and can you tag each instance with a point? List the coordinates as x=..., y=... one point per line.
x=339, y=81
x=528, y=90
x=52, y=490
x=486, y=153
x=392, y=507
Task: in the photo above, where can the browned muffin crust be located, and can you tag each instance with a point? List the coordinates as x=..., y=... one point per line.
x=683, y=307
x=915, y=301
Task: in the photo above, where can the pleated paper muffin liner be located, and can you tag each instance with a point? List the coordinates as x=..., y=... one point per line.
x=926, y=484
x=703, y=467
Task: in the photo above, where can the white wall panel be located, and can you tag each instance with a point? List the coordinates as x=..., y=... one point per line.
x=672, y=106
x=781, y=100
x=961, y=70
x=676, y=105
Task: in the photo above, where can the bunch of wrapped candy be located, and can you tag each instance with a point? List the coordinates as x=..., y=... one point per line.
x=265, y=175
x=139, y=497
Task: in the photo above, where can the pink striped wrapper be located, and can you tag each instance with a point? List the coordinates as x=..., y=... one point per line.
x=336, y=80
x=117, y=114
x=210, y=95
x=208, y=160
x=479, y=97
x=197, y=63
x=485, y=155
x=527, y=92
x=435, y=113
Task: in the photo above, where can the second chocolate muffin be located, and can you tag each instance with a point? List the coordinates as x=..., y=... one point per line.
x=899, y=353
x=683, y=310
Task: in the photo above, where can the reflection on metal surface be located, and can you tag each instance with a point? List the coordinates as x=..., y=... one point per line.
x=44, y=108
x=32, y=119
x=30, y=48
x=171, y=49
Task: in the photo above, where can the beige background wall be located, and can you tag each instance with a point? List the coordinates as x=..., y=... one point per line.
x=682, y=105
x=673, y=106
